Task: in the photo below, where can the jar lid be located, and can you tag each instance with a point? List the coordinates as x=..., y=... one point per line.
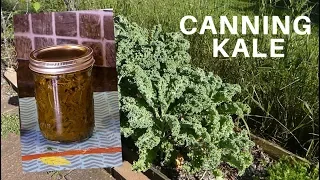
x=61, y=59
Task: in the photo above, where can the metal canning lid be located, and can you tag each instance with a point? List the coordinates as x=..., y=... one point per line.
x=61, y=59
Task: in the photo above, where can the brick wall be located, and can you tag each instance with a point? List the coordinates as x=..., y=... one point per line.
x=91, y=28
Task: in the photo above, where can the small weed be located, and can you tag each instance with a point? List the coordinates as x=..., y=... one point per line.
x=9, y=124
x=55, y=175
x=289, y=169
x=58, y=175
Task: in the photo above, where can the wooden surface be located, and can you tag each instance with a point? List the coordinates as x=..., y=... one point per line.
x=11, y=76
x=274, y=150
x=130, y=156
x=125, y=172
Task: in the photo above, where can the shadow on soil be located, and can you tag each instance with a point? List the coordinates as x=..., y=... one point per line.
x=14, y=100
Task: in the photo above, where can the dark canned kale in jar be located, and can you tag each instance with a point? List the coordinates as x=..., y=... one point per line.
x=63, y=92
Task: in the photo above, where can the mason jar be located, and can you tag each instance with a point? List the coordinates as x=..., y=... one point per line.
x=63, y=92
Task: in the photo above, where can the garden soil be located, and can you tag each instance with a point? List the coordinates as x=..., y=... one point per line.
x=255, y=171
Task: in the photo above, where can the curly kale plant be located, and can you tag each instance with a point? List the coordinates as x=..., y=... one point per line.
x=171, y=109
x=289, y=169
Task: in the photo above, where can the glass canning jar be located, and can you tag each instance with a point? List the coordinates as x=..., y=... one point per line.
x=63, y=92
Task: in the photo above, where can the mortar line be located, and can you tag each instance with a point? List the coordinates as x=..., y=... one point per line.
x=31, y=35
x=104, y=55
x=54, y=28
x=61, y=37
x=80, y=40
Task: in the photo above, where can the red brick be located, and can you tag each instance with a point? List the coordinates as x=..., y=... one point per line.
x=21, y=23
x=40, y=42
x=42, y=23
x=66, y=24
x=90, y=26
x=97, y=51
x=108, y=27
x=67, y=41
x=23, y=47
x=110, y=54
